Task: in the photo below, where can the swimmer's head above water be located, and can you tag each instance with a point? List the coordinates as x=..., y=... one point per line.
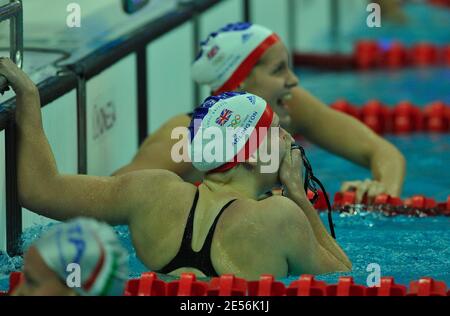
x=81, y=257
x=250, y=57
x=230, y=128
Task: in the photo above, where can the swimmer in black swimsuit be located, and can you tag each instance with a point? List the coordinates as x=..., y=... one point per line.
x=186, y=257
x=278, y=235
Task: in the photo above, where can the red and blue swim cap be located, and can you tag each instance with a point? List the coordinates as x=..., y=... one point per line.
x=227, y=129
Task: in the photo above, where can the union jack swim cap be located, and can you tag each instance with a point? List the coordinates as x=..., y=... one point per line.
x=227, y=129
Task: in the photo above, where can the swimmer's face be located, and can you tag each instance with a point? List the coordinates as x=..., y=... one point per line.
x=283, y=137
x=40, y=280
x=276, y=140
x=272, y=79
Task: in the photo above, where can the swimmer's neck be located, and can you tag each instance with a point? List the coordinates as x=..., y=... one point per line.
x=242, y=187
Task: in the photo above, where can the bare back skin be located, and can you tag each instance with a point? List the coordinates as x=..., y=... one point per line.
x=251, y=238
x=238, y=244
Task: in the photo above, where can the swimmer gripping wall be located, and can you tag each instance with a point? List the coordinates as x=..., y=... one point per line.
x=108, y=106
x=121, y=200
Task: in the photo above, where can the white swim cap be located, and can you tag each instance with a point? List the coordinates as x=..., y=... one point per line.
x=227, y=129
x=228, y=56
x=92, y=245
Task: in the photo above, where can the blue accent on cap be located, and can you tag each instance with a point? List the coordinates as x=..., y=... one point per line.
x=239, y=26
x=201, y=111
x=230, y=27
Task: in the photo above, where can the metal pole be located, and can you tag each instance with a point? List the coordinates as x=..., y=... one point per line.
x=82, y=125
x=14, y=12
x=334, y=23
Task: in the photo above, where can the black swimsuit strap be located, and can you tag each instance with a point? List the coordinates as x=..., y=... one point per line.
x=209, y=237
x=186, y=242
x=186, y=256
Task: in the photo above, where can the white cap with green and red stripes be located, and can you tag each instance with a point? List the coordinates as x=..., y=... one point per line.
x=94, y=247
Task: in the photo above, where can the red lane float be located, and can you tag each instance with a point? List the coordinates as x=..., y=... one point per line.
x=376, y=116
x=401, y=119
x=387, y=288
x=427, y=287
x=424, y=54
x=396, y=56
x=345, y=287
x=266, y=286
x=437, y=117
x=227, y=285
x=345, y=107
x=407, y=118
x=321, y=203
x=442, y=3
x=417, y=205
x=369, y=54
x=15, y=278
x=305, y=285
x=147, y=285
x=446, y=54
x=187, y=285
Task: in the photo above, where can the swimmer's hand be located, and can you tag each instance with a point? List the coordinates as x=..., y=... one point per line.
x=17, y=79
x=290, y=172
x=370, y=188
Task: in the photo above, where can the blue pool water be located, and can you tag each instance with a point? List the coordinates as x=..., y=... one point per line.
x=425, y=23
x=406, y=248
x=420, y=86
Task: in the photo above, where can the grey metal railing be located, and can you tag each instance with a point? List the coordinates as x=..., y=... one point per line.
x=13, y=11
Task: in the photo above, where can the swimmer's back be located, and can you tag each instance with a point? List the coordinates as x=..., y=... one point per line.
x=251, y=237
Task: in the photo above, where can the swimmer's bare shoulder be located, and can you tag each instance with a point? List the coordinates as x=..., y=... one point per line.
x=253, y=237
x=293, y=237
x=162, y=193
x=155, y=186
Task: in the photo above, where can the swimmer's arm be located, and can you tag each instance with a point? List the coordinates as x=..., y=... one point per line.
x=303, y=251
x=44, y=190
x=155, y=152
x=321, y=233
x=349, y=138
x=115, y=200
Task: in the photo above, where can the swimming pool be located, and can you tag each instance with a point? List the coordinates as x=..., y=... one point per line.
x=405, y=248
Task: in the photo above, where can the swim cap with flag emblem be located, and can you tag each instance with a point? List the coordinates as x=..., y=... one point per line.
x=228, y=56
x=235, y=123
